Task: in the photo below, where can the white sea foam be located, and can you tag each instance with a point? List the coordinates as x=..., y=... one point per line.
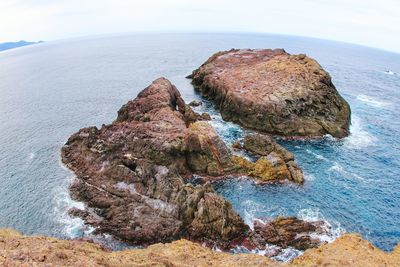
x=318, y=156
x=389, y=72
x=332, y=229
x=336, y=167
x=72, y=227
x=273, y=251
x=309, y=177
x=287, y=254
x=31, y=155
x=252, y=208
x=359, y=138
x=372, y=101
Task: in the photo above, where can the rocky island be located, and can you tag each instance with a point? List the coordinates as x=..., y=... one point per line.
x=131, y=174
x=273, y=92
x=135, y=175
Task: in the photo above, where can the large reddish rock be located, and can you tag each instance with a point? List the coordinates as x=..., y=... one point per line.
x=274, y=92
x=129, y=173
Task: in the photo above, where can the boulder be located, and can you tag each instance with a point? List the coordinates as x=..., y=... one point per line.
x=287, y=232
x=280, y=160
x=274, y=92
x=195, y=103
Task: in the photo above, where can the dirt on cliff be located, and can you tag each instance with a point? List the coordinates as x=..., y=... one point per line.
x=19, y=250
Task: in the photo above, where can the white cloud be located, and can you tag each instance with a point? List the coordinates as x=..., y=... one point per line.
x=369, y=22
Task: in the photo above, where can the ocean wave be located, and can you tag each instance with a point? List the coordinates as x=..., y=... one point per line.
x=309, y=177
x=288, y=254
x=71, y=227
x=339, y=169
x=332, y=229
x=372, y=101
x=251, y=211
x=228, y=131
x=389, y=72
x=318, y=156
x=359, y=138
x=31, y=156
x=272, y=251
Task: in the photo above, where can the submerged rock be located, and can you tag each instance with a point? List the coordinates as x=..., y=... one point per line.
x=130, y=173
x=274, y=92
x=195, y=103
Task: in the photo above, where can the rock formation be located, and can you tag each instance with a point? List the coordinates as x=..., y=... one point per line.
x=287, y=232
x=274, y=92
x=282, y=161
x=129, y=173
x=19, y=250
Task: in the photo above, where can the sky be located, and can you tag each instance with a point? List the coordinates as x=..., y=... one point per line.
x=374, y=23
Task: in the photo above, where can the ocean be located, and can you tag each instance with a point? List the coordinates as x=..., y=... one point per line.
x=51, y=90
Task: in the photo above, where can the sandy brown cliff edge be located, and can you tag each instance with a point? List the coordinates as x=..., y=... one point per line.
x=19, y=250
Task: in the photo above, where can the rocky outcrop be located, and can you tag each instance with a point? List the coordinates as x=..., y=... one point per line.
x=282, y=161
x=288, y=232
x=130, y=173
x=274, y=92
x=19, y=250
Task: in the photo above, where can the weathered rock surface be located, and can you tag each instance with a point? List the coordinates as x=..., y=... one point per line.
x=287, y=232
x=195, y=103
x=281, y=160
x=274, y=92
x=19, y=250
x=129, y=173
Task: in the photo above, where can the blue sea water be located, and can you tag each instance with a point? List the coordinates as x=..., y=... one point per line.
x=49, y=91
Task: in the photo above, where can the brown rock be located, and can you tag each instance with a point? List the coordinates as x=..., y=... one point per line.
x=274, y=92
x=129, y=172
x=195, y=103
x=267, y=169
x=281, y=161
x=287, y=232
x=205, y=117
x=237, y=145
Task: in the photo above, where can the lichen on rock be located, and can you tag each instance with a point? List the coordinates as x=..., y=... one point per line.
x=280, y=161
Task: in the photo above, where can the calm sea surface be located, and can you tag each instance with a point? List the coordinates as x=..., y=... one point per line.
x=49, y=91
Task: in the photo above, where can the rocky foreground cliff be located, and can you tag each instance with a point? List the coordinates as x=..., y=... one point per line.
x=274, y=92
x=19, y=250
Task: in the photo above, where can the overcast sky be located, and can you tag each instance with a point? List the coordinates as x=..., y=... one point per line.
x=373, y=23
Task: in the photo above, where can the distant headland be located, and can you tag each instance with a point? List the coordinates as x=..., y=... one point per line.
x=11, y=45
